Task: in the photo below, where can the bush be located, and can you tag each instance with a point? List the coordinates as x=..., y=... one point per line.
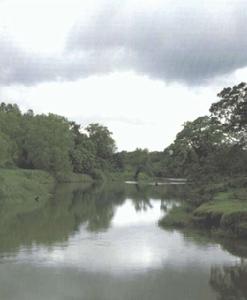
x=97, y=174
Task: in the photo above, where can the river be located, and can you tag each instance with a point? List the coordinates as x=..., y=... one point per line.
x=104, y=242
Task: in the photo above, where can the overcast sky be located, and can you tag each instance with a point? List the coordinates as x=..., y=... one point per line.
x=142, y=68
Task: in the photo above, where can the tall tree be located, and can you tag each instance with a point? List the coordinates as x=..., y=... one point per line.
x=11, y=129
x=48, y=143
x=5, y=151
x=196, y=147
x=231, y=111
x=102, y=139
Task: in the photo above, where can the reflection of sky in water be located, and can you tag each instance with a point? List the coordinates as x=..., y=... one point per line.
x=126, y=215
x=134, y=243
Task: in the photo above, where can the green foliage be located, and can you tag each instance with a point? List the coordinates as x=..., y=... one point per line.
x=52, y=143
x=10, y=133
x=48, y=141
x=103, y=142
x=138, y=162
x=83, y=153
x=83, y=160
x=97, y=174
x=22, y=187
x=212, y=147
x=206, y=149
x=231, y=110
x=5, y=151
x=199, y=148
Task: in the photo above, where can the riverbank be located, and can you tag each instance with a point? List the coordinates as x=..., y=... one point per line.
x=32, y=187
x=25, y=187
x=225, y=214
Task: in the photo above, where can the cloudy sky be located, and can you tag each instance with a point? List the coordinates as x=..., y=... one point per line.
x=140, y=67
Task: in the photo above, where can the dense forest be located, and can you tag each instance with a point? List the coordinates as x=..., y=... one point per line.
x=212, y=146
x=54, y=144
x=61, y=147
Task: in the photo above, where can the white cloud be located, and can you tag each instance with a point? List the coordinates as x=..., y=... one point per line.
x=139, y=111
x=41, y=46
x=175, y=40
x=41, y=25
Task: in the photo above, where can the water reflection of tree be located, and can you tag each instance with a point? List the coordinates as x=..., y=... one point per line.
x=230, y=282
x=141, y=195
x=140, y=198
x=95, y=207
x=72, y=206
x=57, y=219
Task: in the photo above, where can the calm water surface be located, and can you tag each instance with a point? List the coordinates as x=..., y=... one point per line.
x=104, y=243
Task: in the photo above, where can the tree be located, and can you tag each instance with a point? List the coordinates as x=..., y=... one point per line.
x=11, y=130
x=231, y=111
x=102, y=139
x=139, y=162
x=48, y=142
x=202, y=136
x=83, y=153
x=5, y=151
x=52, y=143
x=196, y=147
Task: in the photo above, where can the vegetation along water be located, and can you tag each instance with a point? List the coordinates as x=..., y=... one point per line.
x=71, y=228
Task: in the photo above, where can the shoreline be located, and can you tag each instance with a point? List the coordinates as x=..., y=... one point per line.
x=224, y=215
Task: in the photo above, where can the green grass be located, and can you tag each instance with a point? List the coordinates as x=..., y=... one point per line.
x=22, y=192
x=228, y=202
x=74, y=178
x=21, y=187
x=222, y=207
x=226, y=213
x=177, y=217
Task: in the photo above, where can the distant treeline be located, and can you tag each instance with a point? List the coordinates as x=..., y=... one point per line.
x=210, y=146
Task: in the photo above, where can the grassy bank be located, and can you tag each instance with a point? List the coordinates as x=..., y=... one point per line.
x=225, y=214
x=177, y=217
x=27, y=209
x=19, y=185
x=25, y=187
x=74, y=178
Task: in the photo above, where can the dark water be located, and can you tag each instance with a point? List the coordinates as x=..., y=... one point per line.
x=104, y=243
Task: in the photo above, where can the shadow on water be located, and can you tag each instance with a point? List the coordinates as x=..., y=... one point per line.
x=229, y=282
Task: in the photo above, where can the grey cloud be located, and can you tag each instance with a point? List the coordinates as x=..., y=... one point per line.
x=20, y=67
x=189, y=43
x=182, y=41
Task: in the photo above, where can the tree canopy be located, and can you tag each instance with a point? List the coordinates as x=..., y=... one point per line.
x=52, y=143
x=210, y=146
x=213, y=145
